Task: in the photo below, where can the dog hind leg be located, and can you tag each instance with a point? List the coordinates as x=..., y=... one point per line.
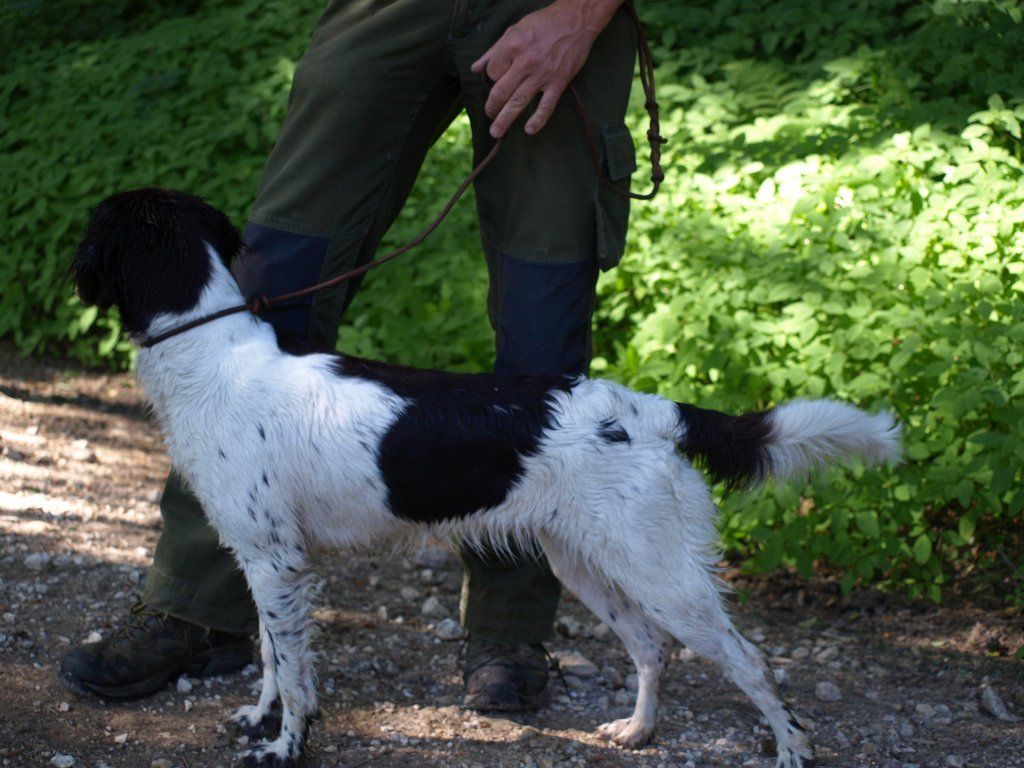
x=695, y=616
x=647, y=644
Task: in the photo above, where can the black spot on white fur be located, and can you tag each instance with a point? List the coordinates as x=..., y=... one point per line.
x=611, y=431
x=459, y=445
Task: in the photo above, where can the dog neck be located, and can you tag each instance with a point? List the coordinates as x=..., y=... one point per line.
x=190, y=364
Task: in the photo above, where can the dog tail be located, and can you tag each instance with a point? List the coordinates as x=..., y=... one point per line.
x=785, y=442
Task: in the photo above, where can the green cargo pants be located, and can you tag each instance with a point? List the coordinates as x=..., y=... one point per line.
x=378, y=85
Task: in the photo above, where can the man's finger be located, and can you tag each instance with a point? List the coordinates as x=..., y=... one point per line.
x=502, y=90
x=552, y=93
x=514, y=107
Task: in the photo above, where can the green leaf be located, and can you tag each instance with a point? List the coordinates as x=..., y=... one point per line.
x=922, y=549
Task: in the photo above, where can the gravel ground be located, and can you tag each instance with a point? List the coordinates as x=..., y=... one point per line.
x=877, y=681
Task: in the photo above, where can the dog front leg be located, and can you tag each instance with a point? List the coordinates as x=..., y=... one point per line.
x=281, y=587
x=263, y=719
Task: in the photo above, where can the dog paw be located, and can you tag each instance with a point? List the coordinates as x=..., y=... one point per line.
x=269, y=755
x=628, y=732
x=789, y=758
x=258, y=724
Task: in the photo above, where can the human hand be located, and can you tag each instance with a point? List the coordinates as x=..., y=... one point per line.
x=540, y=54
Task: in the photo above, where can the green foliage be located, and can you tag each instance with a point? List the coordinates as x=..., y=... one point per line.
x=843, y=217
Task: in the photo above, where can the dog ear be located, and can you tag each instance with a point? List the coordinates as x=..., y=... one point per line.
x=88, y=272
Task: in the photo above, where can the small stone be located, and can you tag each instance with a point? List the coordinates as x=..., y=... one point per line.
x=575, y=663
x=184, y=685
x=870, y=748
x=568, y=626
x=63, y=707
x=613, y=677
x=992, y=703
x=448, y=629
x=781, y=676
x=955, y=761
x=382, y=613
x=62, y=761
x=121, y=738
x=189, y=704
x=93, y=637
x=409, y=593
x=433, y=608
x=827, y=655
x=37, y=561
x=602, y=630
x=801, y=652
x=632, y=682
x=826, y=691
x=161, y=762
x=906, y=730
x=433, y=557
x=622, y=698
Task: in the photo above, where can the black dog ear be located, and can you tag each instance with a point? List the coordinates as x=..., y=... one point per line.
x=88, y=273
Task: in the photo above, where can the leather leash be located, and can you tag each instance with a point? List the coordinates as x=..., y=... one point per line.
x=263, y=303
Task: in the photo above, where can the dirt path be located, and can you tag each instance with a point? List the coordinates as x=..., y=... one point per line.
x=80, y=472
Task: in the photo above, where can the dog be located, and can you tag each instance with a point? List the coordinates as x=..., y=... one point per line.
x=293, y=452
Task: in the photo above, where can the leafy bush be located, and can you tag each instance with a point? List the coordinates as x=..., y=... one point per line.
x=843, y=217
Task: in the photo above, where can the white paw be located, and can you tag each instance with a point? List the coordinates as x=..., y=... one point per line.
x=628, y=732
x=271, y=754
x=789, y=758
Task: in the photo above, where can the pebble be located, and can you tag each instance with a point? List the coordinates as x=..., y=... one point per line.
x=93, y=637
x=622, y=698
x=613, y=677
x=433, y=557
x=409, y=593
x=184, y=685
x=602, y=630
x=955, y=761
x=121, y=738
x=161, y=762
x=62, y=761
x=992, y=703
x=827, y=655
x=781, y=676
x=569, y=626
x=63, y=707
x=826, y=691
x=448, y=629
x=37, y=561
x=575, y=663
x=801, y=652
x=632, y=682
x=433, y=608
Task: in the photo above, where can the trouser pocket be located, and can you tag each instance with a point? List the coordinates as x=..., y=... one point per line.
x=618, y=161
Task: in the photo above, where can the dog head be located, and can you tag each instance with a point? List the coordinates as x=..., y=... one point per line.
x=147, y=253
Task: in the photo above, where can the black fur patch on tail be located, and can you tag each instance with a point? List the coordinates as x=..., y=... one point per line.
x=733, y=449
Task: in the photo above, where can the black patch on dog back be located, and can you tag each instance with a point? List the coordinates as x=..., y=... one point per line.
x=611, y=431
x=732, y=448
x=459, y=445
x=145, y=252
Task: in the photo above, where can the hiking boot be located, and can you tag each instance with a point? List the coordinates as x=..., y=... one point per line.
x=504, y=677
x=149, y=651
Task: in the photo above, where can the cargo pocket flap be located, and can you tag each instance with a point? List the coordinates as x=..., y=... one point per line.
x=619, y=153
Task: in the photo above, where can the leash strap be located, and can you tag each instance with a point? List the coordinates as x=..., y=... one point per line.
x=263, y=303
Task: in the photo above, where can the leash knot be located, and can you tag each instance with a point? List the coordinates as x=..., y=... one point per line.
x=260, y=304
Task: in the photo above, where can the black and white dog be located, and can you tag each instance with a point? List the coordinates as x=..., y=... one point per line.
x=295, y=453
